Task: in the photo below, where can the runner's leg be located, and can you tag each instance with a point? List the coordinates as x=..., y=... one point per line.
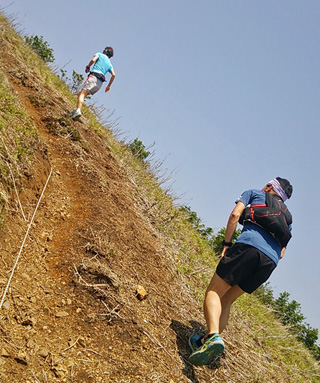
x=81, y=96
x=212, y=303
x=226, y=301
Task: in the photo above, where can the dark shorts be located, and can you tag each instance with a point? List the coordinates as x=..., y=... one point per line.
x=245, y=266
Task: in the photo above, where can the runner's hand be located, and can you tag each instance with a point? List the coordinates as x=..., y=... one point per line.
x=225, y=248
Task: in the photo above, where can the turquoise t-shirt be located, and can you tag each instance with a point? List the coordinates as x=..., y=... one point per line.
x=255, y=235
x=102, y=65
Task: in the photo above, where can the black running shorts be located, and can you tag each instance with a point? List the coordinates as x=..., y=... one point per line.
x=245, y=266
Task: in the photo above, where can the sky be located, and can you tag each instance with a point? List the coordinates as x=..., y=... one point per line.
x=227, y=91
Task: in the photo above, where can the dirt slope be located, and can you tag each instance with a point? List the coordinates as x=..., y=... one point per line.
x=72, y=313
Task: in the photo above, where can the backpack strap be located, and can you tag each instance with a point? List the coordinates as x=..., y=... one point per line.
x=252, y=210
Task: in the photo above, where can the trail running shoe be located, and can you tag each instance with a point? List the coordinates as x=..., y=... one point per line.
x=194, y=342
x=76, y=113
x=212, y=346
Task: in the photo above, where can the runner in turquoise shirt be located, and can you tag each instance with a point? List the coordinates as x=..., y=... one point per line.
x=101, y=66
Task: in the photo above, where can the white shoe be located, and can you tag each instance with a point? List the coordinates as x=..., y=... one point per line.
x=75, y=113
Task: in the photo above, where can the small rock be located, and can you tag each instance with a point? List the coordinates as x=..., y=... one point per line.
x=58, y=372
x=4, y=353
x=46, y=311
x=61, y=314
x=141, y=292
x=31, y=343
x=49, y=237
x=46, y=236
x=21, y=358
x=26, y=276
x=69, y=362
x=6, y=305
x=29, y=322
x=43, y=352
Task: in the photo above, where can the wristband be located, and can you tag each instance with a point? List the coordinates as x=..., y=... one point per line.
x=224, y=243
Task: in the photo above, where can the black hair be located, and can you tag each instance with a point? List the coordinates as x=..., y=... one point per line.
x=108, y=51
x=286, y=186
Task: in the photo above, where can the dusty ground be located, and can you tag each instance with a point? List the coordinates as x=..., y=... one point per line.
x=72, y=313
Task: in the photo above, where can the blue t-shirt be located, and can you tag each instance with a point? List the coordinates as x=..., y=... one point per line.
x=255, y=235
x=102, y=65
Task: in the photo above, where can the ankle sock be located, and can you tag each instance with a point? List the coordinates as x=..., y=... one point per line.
x=199, y=342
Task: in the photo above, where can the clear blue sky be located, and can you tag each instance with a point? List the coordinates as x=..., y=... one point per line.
x=227, y=90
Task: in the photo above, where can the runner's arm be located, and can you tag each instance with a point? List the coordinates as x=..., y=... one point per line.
x=232, y=224
x=94, y=59
x=113, y=75
x=282, y=252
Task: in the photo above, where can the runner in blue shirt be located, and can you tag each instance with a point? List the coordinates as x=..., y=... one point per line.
x=243, y=267
x=101, y=66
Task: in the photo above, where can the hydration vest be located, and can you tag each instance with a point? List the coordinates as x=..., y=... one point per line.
x=273, y=216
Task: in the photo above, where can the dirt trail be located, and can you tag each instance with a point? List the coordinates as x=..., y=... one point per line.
x=66, y=184
x=72, y=314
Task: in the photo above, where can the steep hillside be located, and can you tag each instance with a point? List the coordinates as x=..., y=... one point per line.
x=103, y=227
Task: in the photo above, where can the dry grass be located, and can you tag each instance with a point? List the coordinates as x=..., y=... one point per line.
x=17, y=140
x=259, y=348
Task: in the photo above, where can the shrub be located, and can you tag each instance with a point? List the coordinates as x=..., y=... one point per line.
x=139, y=150
x=218, y=239
x=74, y=84
x=41, y=47
x=206, y=232
x=289, y=313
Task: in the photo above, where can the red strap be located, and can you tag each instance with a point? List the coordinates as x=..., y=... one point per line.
x=252, y=211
